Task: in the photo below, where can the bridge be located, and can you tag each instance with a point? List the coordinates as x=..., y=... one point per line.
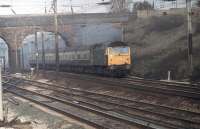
x=14, y=29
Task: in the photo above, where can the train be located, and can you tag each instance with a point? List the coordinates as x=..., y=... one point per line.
x=112, y=59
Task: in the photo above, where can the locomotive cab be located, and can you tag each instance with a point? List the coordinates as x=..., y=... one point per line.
x=118, y=56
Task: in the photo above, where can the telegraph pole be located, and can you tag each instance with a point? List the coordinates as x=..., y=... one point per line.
x=36, y=52
x=190, y=42
x=56, y=36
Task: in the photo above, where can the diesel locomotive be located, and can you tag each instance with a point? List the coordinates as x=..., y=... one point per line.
x=106, y=59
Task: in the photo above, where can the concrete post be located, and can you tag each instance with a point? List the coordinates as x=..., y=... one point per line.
x=1, y=98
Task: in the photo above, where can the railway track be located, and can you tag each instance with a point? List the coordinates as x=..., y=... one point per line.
x=89, y=115
x=167, y=83
x=180, y=90
x=190, y=88
x=154, y=116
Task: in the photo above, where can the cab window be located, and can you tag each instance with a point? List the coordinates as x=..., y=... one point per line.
x=119, y=50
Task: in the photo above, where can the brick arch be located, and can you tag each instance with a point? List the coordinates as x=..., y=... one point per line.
x=65, y=39
x=14, y=37
x=32, y=29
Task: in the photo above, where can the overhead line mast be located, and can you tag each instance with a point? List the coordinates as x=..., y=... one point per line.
x=190, y=42
x=56, y=36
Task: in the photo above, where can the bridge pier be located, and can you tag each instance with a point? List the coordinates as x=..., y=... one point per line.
x=13, y=61
x=14, y=40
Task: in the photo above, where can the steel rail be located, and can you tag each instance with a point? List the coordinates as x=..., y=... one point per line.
x=138, y=119
x=138, y=109
x=147, y=88
x=163, y=83
x=195, y=94
x=106, y=96
x=124, y=107
x=57, y=110
x=186, y=84
x=103, y=95
x=117, y=117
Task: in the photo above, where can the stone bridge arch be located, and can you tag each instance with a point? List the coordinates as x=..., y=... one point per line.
x=14, y=37
x=14, y=29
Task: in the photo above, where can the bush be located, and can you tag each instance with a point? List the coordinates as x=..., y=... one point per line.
x=143, y=6
x=165, y=23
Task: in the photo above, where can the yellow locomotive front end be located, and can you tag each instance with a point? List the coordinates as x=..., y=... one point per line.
x=119, y=57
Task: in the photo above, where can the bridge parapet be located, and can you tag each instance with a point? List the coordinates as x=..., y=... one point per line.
x=46, y=20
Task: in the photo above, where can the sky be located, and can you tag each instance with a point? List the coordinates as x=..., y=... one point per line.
x=79, y=6
x=38, y=6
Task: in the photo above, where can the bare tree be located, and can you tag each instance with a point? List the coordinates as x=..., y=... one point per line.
x=143, y=6
x=118, y=5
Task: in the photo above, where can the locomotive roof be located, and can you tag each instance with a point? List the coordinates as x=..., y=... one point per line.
x=86, y=47
x=117, y=43
x=111, y=44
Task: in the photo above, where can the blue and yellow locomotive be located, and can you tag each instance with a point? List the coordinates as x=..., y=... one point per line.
x=106, y=59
